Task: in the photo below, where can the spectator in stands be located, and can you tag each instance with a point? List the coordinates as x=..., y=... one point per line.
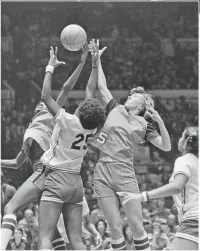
x=160, y=239
x=128, y=236
x=18, y=243
x=101, y=227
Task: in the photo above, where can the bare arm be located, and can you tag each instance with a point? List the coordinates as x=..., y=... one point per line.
x=105, y=94
x=170, y=189
x=69, y=84
x=91, y=228
x=174, y=187
x=14, y=163
x=163, y=142
x=51, y=104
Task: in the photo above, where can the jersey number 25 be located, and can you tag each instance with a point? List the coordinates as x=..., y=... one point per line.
x=102, y=137
x=77, y=144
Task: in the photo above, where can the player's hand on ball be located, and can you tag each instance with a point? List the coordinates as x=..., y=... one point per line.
x=53, y=58
x=126, y=197
x=84, y=52
x=153, y=114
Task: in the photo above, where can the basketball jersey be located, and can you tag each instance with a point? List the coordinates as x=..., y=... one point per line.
x=40, y=130
x=68, y=143
x=187, y=202
x=121, y=134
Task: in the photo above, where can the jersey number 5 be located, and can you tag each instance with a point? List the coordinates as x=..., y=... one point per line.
x=102, y=137
x=76, y=144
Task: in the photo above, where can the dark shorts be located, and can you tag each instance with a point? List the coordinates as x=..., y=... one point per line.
x=38, y=176
x=62, y=187
x=113, y=177
x=189, y=230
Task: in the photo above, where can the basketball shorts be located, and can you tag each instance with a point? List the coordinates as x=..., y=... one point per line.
x=188, y=229
x=113, y=177
x=62, y=187
x=38, y=176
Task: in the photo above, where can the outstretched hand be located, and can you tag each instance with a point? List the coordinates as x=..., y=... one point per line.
x=129, y=196
x=53, y=58
x=153, y=114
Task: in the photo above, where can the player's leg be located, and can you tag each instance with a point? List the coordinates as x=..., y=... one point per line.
x=110, y=207
x=183, y=244
x=133, y=211
x=30, y=190
x=49, y=213
x=109, y=204
x=58, y=241
x=72, y=215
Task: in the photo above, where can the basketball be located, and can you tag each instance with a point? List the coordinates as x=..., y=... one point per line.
x=73, y=37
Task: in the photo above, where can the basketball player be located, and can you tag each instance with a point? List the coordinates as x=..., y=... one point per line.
x=183, y=186
x=124, y=130
x=36, y=141
x=63, y=188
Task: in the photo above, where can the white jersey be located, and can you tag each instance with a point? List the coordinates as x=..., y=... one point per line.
x=187, y=202
x=68, y=143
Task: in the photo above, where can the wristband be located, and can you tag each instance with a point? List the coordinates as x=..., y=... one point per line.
x=145, y=196
x=94, y=67
x=49, y=68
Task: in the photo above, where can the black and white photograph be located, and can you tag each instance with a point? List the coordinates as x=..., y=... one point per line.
x=99, y=125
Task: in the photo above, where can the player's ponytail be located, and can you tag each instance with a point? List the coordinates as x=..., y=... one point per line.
x=192, y=140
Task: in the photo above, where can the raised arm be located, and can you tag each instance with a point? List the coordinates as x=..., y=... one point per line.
x=69, y=84
x=51, y=104
x=92, y=82
x=163, y=141
x=14, y=163
x=105, y=94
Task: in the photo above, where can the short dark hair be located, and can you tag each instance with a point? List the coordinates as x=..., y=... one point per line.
x=192, y=139
x=91, y=114
x=101, y=220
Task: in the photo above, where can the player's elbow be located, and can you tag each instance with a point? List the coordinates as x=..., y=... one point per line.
x=177, y=188
x=166, y=148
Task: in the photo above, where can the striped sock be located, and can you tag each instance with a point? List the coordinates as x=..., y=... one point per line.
x=59, y=244
x=7, y=228
x=118, y=244
x=142, y=243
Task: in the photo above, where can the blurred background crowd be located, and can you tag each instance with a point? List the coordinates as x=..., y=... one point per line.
x=149, y=44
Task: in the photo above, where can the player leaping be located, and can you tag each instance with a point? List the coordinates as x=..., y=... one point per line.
x=35, y=142
x=63, y=188
x=124, y=130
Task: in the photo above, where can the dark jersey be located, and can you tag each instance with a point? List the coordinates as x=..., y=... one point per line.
x=121, y=134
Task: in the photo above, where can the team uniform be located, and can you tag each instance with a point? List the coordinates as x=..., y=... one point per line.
x=36, y=141
x=187, y=202
x=63, y=183
x=120, y=136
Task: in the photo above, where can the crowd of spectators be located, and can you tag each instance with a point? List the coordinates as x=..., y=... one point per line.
x=144, y=48
x=144, y=43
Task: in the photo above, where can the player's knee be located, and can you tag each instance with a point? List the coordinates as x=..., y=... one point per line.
x=136, y=224
x=116, y=226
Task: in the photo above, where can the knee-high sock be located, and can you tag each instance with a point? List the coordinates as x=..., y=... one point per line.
x=59, y=244
x=142, y=243
x=7, y=228
x=119, y=244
